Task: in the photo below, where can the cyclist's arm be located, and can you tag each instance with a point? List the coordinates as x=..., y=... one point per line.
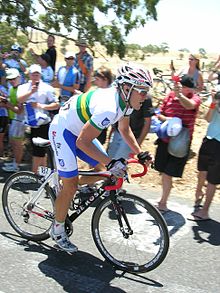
x=85, y=143
x=127, y=134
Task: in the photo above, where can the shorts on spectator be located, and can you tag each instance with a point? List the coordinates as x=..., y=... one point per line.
x=117, y=147
x=16, y=130
x=168, y=164
x=209, y=159
x=41, y=131
x=3, y=123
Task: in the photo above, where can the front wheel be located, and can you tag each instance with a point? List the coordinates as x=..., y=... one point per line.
x=130, y=233
x=28, y=206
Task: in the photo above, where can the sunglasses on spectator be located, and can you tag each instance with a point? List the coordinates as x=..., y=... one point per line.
x=98, y=74
x=192, y=59
x=143, y=92
x=69, y=58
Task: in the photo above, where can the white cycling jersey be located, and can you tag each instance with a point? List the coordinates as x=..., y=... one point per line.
x=101, y=107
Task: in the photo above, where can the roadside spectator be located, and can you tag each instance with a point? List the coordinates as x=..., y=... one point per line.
x=215, y=73
x=3, y=115
x=193, y=70
x=47, y=73
x=67, y=78
x=14, y=60
x=184, y=104
x=16, y=126
x=84, y=63
x=51, y=51
x=103, y=78
x=208, y=161
x=2, y=71
x=139, y=121
x=39, y=99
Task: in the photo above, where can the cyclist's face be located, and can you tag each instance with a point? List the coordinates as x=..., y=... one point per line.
x=138, y=95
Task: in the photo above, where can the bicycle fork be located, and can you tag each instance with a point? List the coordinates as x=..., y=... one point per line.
x=123, y=222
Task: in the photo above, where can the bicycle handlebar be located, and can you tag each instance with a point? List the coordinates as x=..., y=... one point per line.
x=120, y=181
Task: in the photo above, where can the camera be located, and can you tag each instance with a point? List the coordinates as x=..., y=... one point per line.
x=37, y=83
x=3, y=100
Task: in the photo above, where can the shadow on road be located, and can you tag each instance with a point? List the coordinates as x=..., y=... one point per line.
x=174, y=221
x=81, y=272
x=207, y=231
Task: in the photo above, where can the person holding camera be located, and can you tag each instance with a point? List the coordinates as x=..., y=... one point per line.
x=208, y=161
x=39, y=99
x=13, y=60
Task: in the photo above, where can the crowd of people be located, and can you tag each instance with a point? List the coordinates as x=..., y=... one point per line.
x=104, y=119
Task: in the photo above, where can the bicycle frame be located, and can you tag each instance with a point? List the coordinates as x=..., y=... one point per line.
x=115, y=183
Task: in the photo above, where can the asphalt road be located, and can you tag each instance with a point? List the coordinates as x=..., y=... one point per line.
x=192, y=264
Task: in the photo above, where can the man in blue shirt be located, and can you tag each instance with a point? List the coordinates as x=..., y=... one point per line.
x=68, y=78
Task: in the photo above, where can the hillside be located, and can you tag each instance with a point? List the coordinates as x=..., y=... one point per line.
x=185, y=187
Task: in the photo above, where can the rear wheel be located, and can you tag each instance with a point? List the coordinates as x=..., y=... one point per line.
x=30, y=218
x=140, y=243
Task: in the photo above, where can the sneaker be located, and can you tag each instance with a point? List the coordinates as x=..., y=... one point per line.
x=62, y=240
x=11, y=168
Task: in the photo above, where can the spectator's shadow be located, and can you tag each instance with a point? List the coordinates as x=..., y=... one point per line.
x=174, y=220
x=207, y=231
x=80, y=272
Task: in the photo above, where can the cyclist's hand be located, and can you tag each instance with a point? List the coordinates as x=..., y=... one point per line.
x=145, y=158
x=117, y=167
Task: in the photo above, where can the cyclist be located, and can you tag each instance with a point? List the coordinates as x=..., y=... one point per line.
x=74, y=130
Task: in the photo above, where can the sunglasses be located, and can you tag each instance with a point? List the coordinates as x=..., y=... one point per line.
x=70, y=58
x=142, y=92
x=191, y=59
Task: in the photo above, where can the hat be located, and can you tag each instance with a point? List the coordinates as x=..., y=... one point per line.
x=81, y=42
x=69, y=54
x=178, y=145
x=45, y=57
x=187, y=80
x=162, y=131
x=35, y=68
x=12, y=73
x=174, y=126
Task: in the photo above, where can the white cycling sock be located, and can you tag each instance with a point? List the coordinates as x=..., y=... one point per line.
x=58, y=227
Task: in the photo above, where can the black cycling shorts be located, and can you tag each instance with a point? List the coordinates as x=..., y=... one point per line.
x=166, y=163
x=209, y=160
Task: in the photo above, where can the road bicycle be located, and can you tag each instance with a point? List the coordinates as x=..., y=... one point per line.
x=162, y=82
x=129, y=232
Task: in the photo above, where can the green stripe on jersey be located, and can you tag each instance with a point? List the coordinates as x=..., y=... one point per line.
x=83, y=110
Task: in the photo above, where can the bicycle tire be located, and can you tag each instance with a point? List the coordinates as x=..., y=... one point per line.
x=141, y=252
x=33, y=222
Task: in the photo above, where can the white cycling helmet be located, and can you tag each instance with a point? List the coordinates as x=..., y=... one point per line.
x=134, y=76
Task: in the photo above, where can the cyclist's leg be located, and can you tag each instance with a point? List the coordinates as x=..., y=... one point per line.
x=63, y=143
